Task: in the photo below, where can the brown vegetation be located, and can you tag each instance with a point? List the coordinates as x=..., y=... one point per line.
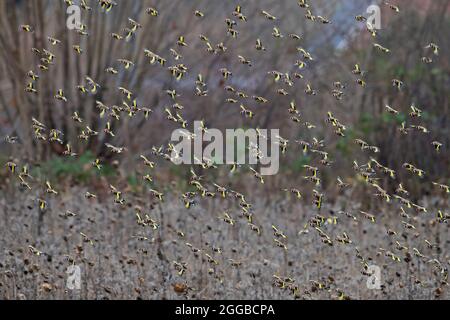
x=96, y=211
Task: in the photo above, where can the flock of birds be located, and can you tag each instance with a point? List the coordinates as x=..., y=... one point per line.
x=370, y=172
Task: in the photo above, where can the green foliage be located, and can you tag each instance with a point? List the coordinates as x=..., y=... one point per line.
x=78, y=168
x=366, y=123
x=344, y=144
x=180, y=172
x=416, y=73
x=382, y=66
x=298, y=163
x=133, y=181
x=389, y=118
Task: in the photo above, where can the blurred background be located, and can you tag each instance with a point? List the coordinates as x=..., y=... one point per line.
x=335, y=49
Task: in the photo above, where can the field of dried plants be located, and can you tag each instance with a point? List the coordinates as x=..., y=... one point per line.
x=129, y=261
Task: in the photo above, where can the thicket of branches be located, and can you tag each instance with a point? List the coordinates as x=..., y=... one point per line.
x=335, y=51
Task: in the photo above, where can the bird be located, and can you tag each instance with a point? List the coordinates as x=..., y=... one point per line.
x=444, y=187
x=26, y=28
x=53, y=41
x=114, y=149
x=433, y=47
x=437, y=146
x=77, y=48
x=147, y=162
x=276, y=33
x=357, y=70
x=226, y=218
x=381, y=48
x=152, y=12
x=259, y=45
x=60, y=96
x=391, y=110
x=199, y=14
x=127, y=63
x=393, y=7
x=181, y=42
